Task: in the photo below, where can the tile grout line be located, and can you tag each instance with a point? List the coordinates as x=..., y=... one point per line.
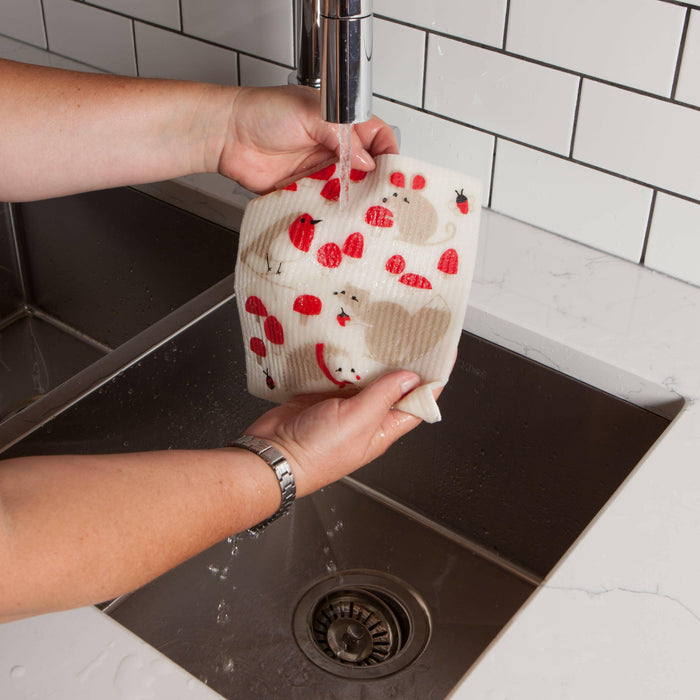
x=43, y=22
x=136, y=51
x=493, y=173
x=679, y=57
x=506, y=21
x=425, y=69
x=576, y=113
x=652, y=206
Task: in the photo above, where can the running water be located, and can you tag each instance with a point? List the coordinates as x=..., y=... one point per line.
x=345, y=153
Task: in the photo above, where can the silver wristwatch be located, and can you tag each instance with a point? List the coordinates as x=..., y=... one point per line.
x=278, y=463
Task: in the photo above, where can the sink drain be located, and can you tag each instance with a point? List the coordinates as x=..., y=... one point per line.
x=361, y=624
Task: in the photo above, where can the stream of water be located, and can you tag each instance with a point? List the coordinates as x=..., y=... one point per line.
x=345, y=156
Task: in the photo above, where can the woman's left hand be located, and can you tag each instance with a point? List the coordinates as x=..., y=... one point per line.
x=275, y=134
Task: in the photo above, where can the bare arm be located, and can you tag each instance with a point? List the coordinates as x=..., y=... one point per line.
x=76, y=530
x=63, y=132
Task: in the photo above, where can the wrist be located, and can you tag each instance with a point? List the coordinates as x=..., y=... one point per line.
x=212, y=126
x=277, y=462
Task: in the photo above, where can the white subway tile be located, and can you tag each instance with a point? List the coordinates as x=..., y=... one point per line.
x=397, y=62
x=439, y=141
x=644, y=138
x=502, y=94
x=163, y=12
x=255, y=72
x=477, y=20
x=262, y=28
x=164, y=54
x=90, y=35
x=22, y=20
x=599, y=210
x=689, y=79
x=632, y=42
x=674, y=239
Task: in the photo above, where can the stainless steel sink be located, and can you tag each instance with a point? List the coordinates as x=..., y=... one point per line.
x=81, y=275
x=432, y=548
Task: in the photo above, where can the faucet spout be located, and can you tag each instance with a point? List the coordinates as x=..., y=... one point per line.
x=335, y=54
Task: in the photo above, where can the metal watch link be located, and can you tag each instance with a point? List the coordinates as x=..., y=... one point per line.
x=278, y=463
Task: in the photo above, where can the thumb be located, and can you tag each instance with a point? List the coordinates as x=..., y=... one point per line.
x=372, y=405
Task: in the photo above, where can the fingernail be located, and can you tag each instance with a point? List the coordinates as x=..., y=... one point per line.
x=366, y=159
x=409, y=384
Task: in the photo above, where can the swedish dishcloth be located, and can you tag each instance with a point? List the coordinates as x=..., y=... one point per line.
x=330, y=298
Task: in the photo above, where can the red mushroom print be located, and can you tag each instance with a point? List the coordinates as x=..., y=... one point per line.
x=379, y=216
x=273, y=330
x=449, y=262
x=324, y=173
x=253, y=305
x=329, y=255
x=258, y=347
x=308, y=305
x=331, y=190
x=354, y=245
x=418, y=281
x=395, y=264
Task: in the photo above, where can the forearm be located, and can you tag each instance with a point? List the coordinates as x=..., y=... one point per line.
x=76, y=530
x=66, y=132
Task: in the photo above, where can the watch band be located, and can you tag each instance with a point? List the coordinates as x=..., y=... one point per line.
x=278, y=463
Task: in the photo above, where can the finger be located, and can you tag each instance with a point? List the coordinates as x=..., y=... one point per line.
x=371, y=406
x=377, y=137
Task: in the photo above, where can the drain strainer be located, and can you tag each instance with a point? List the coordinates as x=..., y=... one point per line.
x=361, y=624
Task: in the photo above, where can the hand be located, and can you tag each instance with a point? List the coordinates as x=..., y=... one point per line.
x=325, y=438
x=276, y=133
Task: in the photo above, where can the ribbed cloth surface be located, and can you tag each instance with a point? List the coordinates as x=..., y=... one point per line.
x=331, y=298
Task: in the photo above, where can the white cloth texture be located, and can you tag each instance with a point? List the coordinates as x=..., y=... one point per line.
x=332, y=297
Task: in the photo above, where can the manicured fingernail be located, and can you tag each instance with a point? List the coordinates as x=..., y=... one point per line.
x=365, y=158
x=409, y=384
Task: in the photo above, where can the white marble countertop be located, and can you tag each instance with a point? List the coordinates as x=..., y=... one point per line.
x=619, y=617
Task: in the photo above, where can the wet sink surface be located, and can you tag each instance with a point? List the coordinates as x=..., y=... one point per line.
x=469, y=513
x=228, y=619
x=463, y=500
x=81, y=275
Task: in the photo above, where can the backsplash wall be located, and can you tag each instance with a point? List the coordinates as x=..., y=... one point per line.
x=582, y=118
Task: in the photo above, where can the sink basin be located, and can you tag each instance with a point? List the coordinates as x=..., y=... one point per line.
x=433, y=547
x=82, y=275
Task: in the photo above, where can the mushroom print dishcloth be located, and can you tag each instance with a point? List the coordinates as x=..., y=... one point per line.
x=330, y=298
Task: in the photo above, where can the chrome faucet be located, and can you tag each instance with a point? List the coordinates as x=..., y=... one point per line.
x=334, y=53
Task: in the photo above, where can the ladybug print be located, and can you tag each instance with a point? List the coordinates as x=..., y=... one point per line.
x=462, y=202
x=269, y=380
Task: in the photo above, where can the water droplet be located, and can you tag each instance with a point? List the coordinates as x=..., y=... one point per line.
x=18, y=672
x=223, y=615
